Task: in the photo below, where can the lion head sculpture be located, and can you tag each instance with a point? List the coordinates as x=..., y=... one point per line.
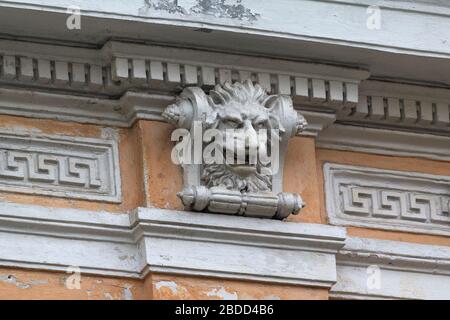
x=240, y=112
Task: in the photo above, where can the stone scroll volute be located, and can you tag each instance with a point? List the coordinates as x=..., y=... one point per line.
x=249, y=179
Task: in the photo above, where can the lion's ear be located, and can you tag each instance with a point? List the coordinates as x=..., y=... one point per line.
x=275, y=119
x=275, y=104
x=271, y=102
x=211, y=120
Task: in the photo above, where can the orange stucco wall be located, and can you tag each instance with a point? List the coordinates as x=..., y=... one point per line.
x=36, y=285
x=149, y=178
x=193, y=288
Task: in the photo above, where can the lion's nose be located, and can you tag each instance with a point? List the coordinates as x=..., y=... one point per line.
x=251, y=138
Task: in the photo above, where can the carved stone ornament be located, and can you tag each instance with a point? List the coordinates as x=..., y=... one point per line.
x=239, y=177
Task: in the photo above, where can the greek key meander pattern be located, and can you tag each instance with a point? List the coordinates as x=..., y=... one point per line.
x=33, y=167
x=61, y=167
x=394, y=204
x=385, y=199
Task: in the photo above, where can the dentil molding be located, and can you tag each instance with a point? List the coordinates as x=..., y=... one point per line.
x=118, y=67
x=401, y=106
x=104, y=82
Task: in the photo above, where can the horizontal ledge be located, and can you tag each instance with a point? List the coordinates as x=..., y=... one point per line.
x=131, y=245
x=156, y=240
x=122, y=112
x=373, y=269
x=396, y=255
x=384, y=142
x=230, y=229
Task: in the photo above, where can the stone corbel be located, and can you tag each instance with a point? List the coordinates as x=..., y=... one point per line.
x=250, y=187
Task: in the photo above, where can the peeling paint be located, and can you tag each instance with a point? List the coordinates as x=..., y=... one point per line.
x=167, y=284
x=109, y=133
x=170, y=6
x=126, y=293
x=22, y=129
x=37, y=282
x=22, y=285
x=232, y=9
x=222, y=294
x=108, y=296
x=220, y=9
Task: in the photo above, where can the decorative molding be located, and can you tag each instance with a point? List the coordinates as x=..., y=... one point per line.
x=406, y=270
x=401, y=106
x=83, y=85
x=156, y=240
x=236, y=248
x=237, y=180
x=307, y=83
x=385, y=142
x=317, y=122
x=386, y=199
x=59, y=166
x=54, y=239
x=131, y=107
x=119, y=67
x=124, y=112
x=175, y=242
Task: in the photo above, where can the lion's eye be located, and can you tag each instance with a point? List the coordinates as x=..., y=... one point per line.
x=261, y=125
x=232, y=123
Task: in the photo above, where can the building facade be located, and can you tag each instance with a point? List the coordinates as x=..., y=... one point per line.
x=94, y=205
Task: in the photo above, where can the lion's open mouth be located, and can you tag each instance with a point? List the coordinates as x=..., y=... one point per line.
x=243, y=165
x=244, y=161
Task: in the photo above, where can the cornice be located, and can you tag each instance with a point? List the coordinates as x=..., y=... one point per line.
x=400, y=106
x=186, y=243
x=124, y=112
x=396, y=255
x=122, y=82
x=250, y=232
x=55, y=239
x=403, y=270
x=208, y=245
x=385, y=142
x=119, y=67
x=155, y=240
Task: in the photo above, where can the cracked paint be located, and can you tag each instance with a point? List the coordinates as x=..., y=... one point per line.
x=224, y=9
x=232, y=9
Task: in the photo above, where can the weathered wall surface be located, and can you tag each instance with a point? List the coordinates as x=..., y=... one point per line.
x=37, y=285
x=149, y=178
x=87, y=180
x=170, y=287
